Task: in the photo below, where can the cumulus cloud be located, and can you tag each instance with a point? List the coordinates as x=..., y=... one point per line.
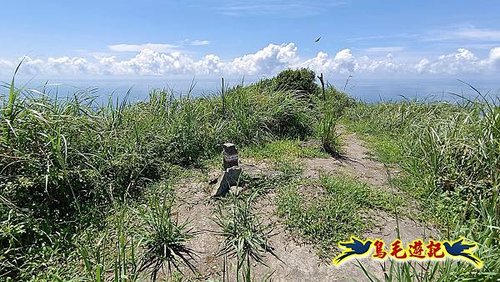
x=210, y=64
x=34, y=66
x=344, y=62
x=422, y=66
x=267, y=61
x=150, y=62
x=75, y=65
x=461, y=61
x=379, y=65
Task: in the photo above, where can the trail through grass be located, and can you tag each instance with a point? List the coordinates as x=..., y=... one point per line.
x=75, y=174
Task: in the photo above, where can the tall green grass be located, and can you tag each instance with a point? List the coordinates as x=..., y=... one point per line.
x=330, y=108
x=246, y=237
x=65, y=160
x=450, y=154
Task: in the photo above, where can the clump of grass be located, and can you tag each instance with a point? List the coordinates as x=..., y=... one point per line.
x=164, y=238
x=330, y=109
x=328, y=134
x=112, y=253
x=245, y=235
x=94, y=260
x=135, y=243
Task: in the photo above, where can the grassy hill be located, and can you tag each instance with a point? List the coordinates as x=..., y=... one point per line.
x=87, y=192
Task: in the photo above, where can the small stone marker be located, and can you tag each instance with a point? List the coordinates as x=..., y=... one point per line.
x=229, y=155
x=232, y=171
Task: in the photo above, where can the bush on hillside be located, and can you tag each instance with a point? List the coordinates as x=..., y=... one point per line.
x=297, y=80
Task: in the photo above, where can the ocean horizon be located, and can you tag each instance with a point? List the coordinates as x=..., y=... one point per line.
x=369, y=90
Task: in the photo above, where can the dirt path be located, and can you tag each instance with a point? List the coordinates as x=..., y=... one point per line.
x=198, y=209
x=355, y=162
x=298, y=261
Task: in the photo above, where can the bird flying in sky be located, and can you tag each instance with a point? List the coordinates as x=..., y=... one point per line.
x=317, y=40
x=351, y=248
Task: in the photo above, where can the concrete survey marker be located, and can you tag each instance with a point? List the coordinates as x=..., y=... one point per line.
x=232, y=171
x=229, y=155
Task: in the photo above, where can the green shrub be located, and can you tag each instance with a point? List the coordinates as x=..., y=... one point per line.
x=293, y=80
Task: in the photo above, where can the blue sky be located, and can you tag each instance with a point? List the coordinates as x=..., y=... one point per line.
x=213, y=38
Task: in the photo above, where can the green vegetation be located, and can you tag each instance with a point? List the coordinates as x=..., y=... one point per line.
x=331, y=109
x=283, y=151
x=164, y=238
x=301, y=80
x=64, y=162
x=86, y=190
x=450, y=154
x=245, y=235
x=335, y=214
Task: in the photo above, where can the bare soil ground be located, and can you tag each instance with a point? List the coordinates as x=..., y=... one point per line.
x=298, y=261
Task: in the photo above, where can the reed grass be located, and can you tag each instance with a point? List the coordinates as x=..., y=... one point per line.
x=65, y=160
x=450, y=154
x=69, y=164
x=246, y=237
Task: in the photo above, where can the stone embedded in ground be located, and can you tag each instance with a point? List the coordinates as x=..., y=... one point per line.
x=229, y=178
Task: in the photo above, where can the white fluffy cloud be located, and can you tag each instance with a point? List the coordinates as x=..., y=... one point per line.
x=268, y=60
x=69, y=65
x=379, y=65
x=153, y=60
x=462, y=61
x=342, y=62
x=210, y=64
x=150, y=62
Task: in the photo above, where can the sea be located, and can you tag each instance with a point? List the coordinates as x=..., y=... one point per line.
x=370, y=90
